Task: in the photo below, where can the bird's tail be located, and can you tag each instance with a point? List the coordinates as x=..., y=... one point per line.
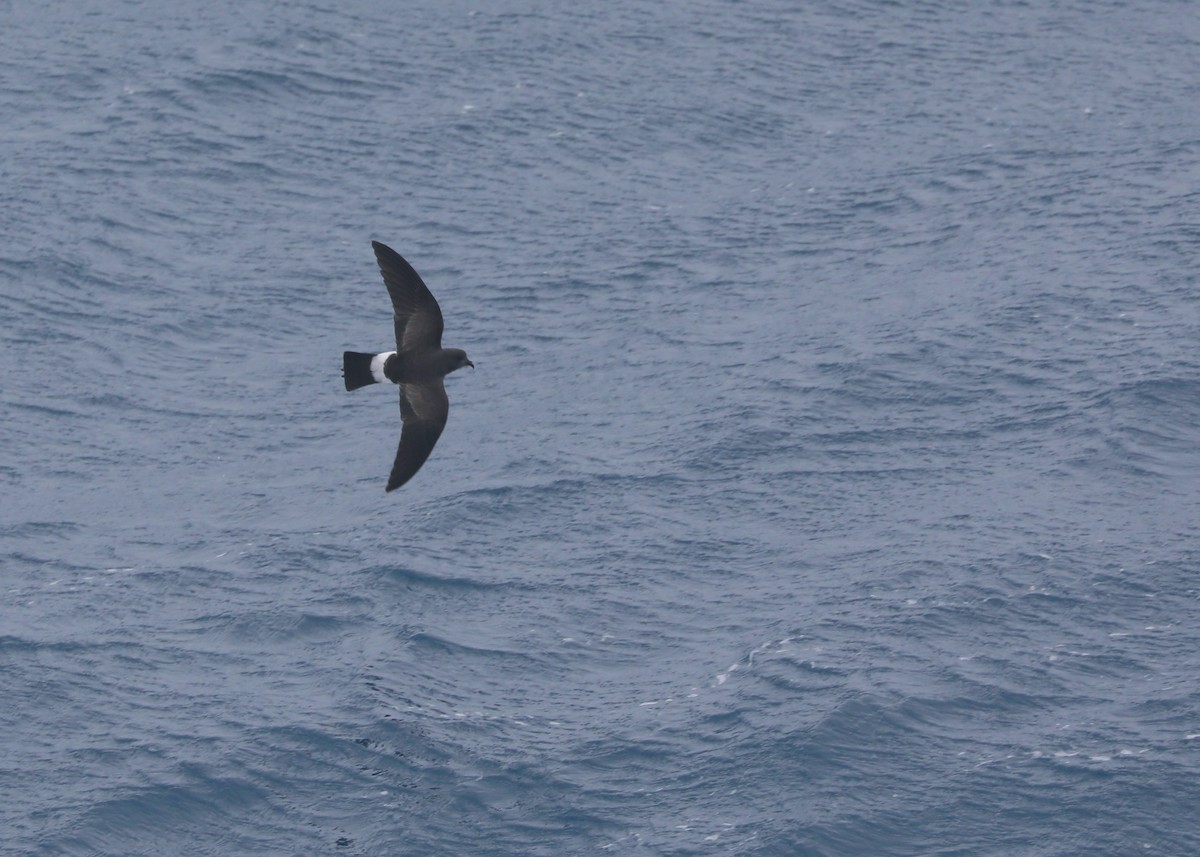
x=356, y=369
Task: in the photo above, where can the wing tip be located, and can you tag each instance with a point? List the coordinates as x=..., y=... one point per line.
x=383, y=251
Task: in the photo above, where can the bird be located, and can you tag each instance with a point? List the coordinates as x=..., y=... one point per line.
x=417, y=366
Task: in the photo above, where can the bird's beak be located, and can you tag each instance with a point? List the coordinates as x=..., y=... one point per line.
x=469, y=363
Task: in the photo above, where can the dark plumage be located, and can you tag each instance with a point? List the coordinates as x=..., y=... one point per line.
x=418, y=364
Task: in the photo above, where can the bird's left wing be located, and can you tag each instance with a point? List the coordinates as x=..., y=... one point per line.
x=418, y=318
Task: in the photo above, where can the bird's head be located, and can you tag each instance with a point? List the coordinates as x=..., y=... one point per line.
x=457, y=358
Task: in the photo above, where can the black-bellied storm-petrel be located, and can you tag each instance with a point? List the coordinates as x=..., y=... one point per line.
x=418, y=364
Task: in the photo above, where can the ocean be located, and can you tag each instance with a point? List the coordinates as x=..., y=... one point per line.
x=828, y=483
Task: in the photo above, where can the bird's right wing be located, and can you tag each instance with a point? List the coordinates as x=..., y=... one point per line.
x=423, y=410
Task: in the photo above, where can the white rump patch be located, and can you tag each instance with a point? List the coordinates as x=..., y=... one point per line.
x=377, y=366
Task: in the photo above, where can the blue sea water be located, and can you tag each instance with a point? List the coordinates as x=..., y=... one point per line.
x=828, y=484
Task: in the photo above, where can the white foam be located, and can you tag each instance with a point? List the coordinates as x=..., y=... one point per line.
x=377, y=366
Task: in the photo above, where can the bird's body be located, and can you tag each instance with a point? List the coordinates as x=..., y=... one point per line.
x=418, y=364
x=401, y=367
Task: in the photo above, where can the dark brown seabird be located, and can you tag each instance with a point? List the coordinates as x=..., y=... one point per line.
x=418, y=364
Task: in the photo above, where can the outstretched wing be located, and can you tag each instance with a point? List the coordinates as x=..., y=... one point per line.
x=423, y=410
x=418, y=316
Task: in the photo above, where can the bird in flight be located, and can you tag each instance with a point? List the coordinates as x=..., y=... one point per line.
x=418, y=364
